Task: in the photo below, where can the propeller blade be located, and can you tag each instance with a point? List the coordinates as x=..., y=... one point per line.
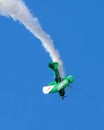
x=70, y=87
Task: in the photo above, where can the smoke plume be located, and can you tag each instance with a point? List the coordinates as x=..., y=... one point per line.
x=19, y=11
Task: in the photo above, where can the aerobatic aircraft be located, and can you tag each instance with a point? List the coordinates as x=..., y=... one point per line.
x=59, y=84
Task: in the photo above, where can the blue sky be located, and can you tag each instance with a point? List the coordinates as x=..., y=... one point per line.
x=77, y=29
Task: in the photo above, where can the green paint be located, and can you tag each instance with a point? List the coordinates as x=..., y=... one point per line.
x=63, y=84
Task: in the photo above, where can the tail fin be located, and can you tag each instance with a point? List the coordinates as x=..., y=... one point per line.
x=53, y=65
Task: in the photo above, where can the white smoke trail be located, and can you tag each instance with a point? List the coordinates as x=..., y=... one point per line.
x=19, y=11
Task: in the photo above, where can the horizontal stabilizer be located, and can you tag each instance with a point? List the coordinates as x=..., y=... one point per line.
x=53, y=65
x=47, y=89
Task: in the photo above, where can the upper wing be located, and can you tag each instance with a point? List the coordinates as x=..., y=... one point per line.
x=47, y=89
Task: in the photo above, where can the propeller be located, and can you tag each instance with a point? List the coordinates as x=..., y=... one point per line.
x=69, y=87
x=63, y=97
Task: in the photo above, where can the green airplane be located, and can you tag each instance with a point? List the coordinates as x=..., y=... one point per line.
x=59, y=84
